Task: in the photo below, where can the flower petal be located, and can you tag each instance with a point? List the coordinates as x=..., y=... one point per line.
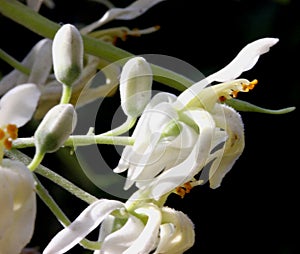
x=244, y=61
x=18, y=104
x=176, y=234
x=228, y=119
x=6, y=203
x=132, y=11
x=198, y=157
x=122, y=239
x=42, y=65
x=38, y=61
x=86, y=222
x=147, y=239
x=21, y=204
x=142, y=141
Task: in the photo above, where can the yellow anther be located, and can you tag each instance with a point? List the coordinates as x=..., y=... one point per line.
x=182, y=190
x=234, y=93
x=250, y=86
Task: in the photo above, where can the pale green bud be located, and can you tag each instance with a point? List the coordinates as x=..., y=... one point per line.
x=135, y=86
x=55, y=128
x=67, y=53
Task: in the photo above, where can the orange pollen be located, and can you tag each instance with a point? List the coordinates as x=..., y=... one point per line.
x=2, y=134
x=7, y=144
x=182, y=190
x=12, y=131
x=250, y=86
x=7, y=134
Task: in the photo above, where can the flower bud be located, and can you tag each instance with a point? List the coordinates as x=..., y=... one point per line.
x=67, y=53
x=135, y=86
x=55, y=128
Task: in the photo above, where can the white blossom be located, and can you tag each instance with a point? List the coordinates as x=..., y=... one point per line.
x=131, y=234
x=177, y=137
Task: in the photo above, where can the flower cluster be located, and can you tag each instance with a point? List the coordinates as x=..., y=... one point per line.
x=175, y=138
x=178, y=143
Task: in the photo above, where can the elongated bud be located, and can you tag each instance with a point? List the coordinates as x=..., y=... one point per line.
x=67, y=53
x=135, y=86
x=55, y=128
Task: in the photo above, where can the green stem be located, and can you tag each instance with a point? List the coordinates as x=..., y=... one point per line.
x=13, y=62
x=66, y=94
x=37, y=159
x=126, y=126
x=54, y=177
x=32, y=20
x=80, y=140
x=59, y=214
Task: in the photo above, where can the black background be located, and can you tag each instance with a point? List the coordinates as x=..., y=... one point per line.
x=255, y=209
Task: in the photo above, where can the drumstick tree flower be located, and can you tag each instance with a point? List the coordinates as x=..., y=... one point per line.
x=176, y=137
x=17, y=194
x=144, y=228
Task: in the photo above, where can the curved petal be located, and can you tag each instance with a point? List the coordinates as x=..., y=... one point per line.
x=19, y=234
x=132, y=11
x=176, y=234
x=228, y=119
x=86, y=222
x=106, y=227
x=21, y=204
x=148, y=238
x=245, y=60
x=120, y=240
x=42, y=64
x=18, y=104
x=38, y=61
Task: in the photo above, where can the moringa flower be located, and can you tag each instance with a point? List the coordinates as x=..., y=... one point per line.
x=146, y=228
x=38, y=61
x=16, y=109
x=17, y=196
x=177, y=137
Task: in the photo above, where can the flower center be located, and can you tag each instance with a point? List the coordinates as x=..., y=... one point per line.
x=242, y=88
x=7, y=134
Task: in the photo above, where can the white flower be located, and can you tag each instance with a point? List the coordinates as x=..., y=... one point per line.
x=142, y=229
x=16, y=109
x=18, y=206
x=17, y=196
x=177, y=137
x=38, y=61
x=132, y=11
x=176, y=233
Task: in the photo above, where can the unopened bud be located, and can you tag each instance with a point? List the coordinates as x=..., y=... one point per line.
x=67, y=53
x=55, y=128
x=135, y=86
